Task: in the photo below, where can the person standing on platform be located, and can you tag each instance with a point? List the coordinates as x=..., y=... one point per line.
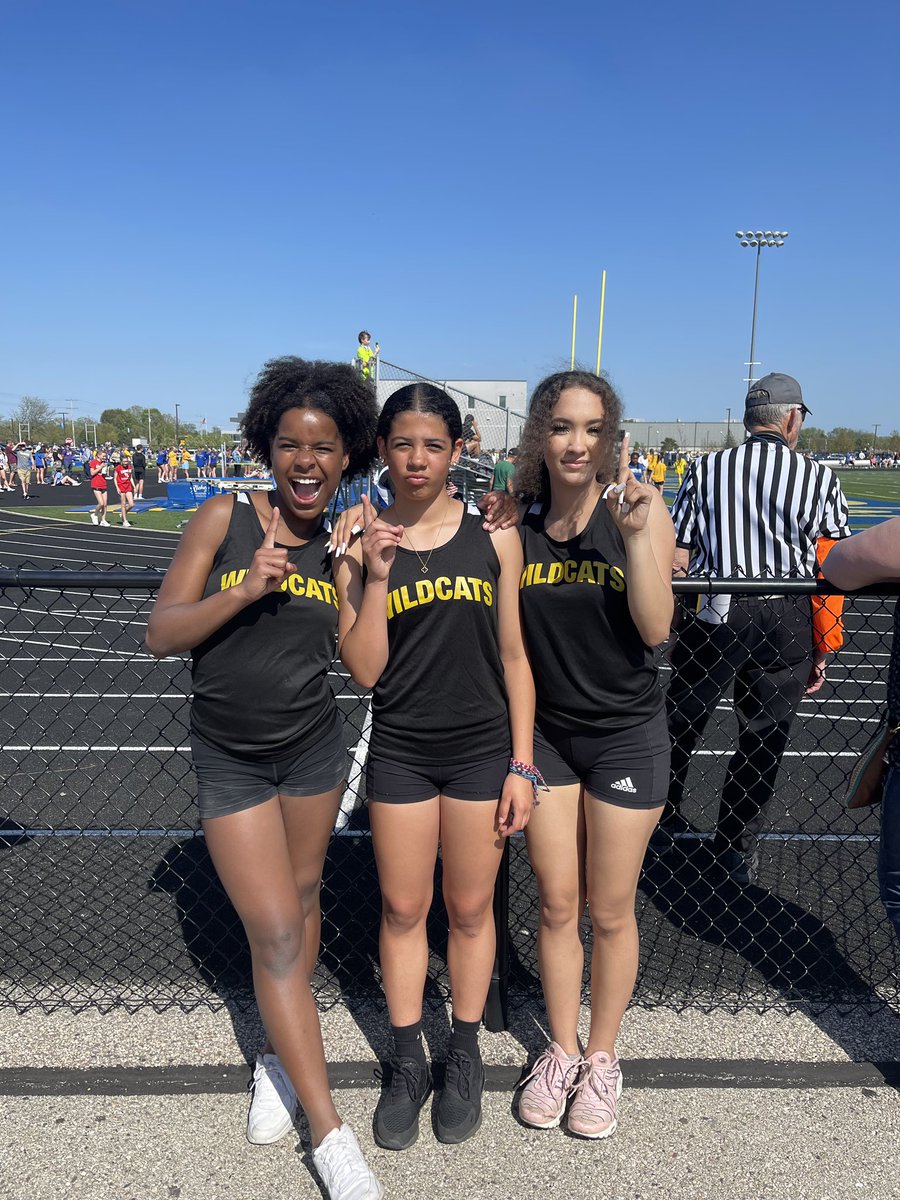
x=596, y=596
x=755, y=511
x=249, y=593
x=365, y=355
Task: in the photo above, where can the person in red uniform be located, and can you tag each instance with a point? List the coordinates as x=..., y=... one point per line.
x=124, y=477
x=97, y=476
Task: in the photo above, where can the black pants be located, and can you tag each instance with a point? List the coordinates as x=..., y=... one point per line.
x=764, y=646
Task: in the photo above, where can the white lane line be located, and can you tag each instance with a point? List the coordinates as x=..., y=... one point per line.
x=351, y=798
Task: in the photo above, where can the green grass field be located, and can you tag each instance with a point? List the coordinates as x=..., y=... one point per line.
x=857, y=485
x=871, y=485
x=162, y=519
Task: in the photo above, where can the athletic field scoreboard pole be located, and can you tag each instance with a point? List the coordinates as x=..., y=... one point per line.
x=574, y=323
x=600, y=331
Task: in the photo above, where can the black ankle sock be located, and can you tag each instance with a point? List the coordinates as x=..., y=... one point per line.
x=408, y=1041
x=464, y=1036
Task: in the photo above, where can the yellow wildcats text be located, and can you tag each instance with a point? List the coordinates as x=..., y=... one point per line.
x=571, y=571
x=426, y=591
x=296, y=585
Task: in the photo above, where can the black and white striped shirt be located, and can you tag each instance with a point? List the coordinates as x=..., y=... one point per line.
x=757, y=511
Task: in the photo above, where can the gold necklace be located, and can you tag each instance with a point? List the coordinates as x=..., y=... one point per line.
x=426, y=561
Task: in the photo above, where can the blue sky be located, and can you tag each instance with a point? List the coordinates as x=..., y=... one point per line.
x=191, y=188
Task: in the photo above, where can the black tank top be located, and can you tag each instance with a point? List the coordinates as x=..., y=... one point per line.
x=261, y=685
x=591, y=668
x=442, y=697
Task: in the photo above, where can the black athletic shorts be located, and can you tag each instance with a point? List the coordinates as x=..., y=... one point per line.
x=226, y=784
x=628, y=767
x=393, y=782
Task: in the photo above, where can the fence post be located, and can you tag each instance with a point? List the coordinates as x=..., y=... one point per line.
x=496, y=1007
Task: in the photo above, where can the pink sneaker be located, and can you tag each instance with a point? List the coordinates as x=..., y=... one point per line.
x=593, y=1111
x=548, y=1087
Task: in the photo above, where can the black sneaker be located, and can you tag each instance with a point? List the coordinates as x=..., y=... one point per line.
x=458, y=1109
x=671, y=831
x=396, y=1124
x=741, y=866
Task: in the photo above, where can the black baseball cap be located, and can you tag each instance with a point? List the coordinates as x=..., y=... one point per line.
x=775, y=389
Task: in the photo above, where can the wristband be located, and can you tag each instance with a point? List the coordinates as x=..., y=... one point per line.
x=529, y=771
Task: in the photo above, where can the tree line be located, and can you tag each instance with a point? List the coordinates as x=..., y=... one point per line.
x=36, y=420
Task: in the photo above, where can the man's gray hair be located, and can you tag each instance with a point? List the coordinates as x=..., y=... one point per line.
x=767, y=414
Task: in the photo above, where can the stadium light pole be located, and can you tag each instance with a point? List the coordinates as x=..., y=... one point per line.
x=875, y=439
x=177, y=406
x=757, y=239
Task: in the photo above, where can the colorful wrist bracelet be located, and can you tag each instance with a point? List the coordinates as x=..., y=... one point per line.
x=529, y=771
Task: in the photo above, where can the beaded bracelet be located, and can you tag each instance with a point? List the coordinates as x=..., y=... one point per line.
x=529, y=771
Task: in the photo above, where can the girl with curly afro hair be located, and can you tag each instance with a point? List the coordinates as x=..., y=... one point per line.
x=249, y=593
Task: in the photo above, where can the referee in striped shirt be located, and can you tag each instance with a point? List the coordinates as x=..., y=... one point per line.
x=754, y=511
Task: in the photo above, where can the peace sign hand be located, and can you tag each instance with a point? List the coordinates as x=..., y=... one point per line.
x=270, y=566
x=379, y=543
x=629, y=501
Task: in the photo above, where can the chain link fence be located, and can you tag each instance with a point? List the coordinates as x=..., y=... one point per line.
x=109, y=897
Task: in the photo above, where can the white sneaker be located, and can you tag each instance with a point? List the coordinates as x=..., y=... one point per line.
x=273, y=1104
x=126, y=524
x=343, y=1169
x=105, y=522
x=95, y=518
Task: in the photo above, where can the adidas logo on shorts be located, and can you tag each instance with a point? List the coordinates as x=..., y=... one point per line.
x=624, y=785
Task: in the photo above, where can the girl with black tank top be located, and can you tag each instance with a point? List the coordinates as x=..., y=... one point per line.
x=429, y=618
x=249, y=593
x=596, y=596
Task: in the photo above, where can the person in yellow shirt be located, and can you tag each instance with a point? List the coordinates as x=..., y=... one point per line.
x=652, y=460
x=658, y=473
x=680, y=467
x=365, y=354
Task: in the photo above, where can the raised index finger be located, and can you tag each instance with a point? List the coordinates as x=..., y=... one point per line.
x=624, y=470
x=271, y=530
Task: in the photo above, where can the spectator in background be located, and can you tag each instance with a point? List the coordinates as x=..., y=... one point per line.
x=237, y=462
x=658, y=474
x=202, y=459
x=212, y=464
x=680, y=467
x=505, y=470
x=97, y=475
x=172, y=465
x=139, y=469
x=40, y=464
x=755, y=510
x=365, y=354
x=636, y=467
x=24, y=467
x=5, y=473
x=125, y=487
x=871, y=557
